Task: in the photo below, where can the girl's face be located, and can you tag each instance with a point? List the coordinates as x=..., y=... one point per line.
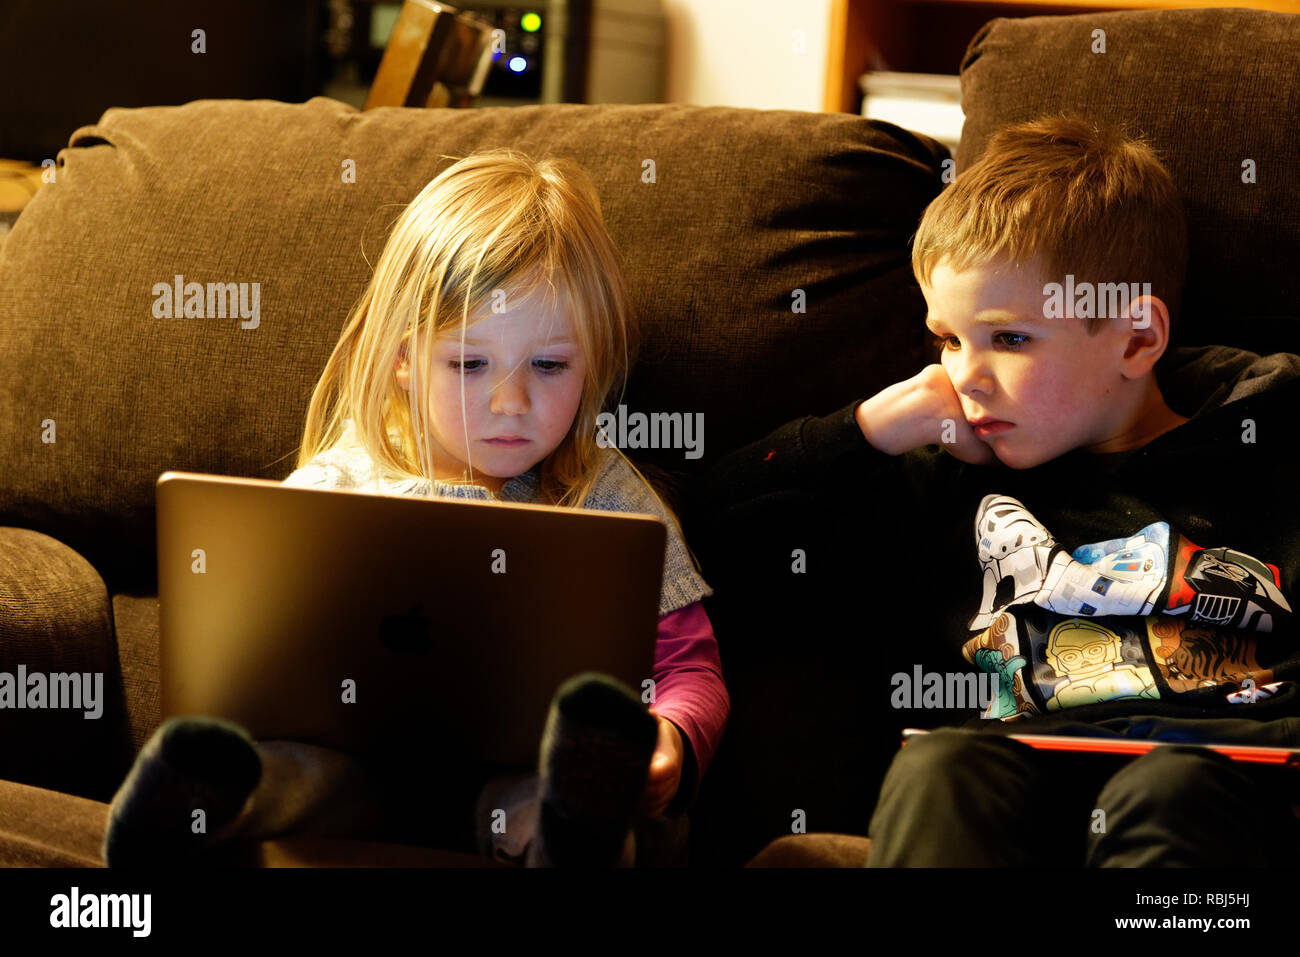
x=522, y=378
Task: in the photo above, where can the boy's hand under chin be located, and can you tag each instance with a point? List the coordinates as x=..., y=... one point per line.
x=912, y=413
x=665, y=769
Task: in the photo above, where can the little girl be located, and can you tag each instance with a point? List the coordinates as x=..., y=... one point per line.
x=493, y=330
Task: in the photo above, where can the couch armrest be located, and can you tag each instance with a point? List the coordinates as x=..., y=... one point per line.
x=60, y=686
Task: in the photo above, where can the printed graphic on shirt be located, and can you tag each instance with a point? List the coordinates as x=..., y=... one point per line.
x=997, y=650
x=1121, y=577
x=1224, y=587
x=1081, y=661
x=1249, y=694
x=1070, y=661
x=1015, y=552
x=1191, y=656
x=1045, y=662
x=1142, y=617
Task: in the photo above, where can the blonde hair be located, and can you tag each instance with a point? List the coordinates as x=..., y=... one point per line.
x=1092, y=201
x=494, y=220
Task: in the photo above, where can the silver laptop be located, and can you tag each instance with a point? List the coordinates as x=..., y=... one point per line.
x=347, y=618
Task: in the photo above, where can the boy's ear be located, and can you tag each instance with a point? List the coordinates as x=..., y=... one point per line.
x=1148, y=319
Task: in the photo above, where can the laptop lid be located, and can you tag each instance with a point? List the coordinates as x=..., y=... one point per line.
x=347, y=618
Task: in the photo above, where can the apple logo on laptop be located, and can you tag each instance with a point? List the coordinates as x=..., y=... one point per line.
x=409, y=633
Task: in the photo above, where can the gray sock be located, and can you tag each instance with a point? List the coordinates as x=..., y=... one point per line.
x=595, y=758
x=190, y=764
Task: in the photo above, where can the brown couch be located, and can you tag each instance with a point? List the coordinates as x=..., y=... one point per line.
x=746, y=207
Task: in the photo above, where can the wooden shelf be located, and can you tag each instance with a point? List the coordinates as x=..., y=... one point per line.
x=930, y=36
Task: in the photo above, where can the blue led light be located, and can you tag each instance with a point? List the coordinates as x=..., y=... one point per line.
x=518, y=64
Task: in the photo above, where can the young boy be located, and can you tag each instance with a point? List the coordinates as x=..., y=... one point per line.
x=1136, y=550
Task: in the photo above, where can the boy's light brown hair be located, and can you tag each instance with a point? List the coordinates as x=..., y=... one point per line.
x=1092, y=201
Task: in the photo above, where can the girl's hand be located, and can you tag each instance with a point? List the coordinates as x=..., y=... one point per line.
x=665, y=769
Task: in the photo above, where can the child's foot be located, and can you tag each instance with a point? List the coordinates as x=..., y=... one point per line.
x=189, y=764
x=595, y=758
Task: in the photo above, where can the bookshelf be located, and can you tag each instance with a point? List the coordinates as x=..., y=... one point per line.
x=930, y=36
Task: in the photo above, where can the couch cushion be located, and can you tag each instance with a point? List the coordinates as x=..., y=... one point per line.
x=1212, y=89
x=137, y=643
x=747, y=206
x=41, y=828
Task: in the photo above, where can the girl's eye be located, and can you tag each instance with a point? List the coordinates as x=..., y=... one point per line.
x=545, y=366
x=941, y=342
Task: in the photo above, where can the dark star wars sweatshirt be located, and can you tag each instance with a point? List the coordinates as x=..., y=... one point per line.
x=1109, y=587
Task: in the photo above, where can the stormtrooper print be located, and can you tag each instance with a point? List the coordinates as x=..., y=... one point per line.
x=1015, y=552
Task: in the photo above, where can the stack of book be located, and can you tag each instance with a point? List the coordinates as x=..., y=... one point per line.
x=926, y=103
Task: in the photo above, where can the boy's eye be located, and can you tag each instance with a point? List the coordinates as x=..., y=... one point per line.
x=941, y=342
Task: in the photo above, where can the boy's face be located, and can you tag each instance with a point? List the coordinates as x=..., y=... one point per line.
x=522, y=377
x=1048, y=378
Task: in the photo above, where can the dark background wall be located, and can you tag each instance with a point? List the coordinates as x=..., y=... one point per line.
x=63, y=62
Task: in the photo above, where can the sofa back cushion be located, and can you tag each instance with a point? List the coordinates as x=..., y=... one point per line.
x=726, y=218
x=1217, y=93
